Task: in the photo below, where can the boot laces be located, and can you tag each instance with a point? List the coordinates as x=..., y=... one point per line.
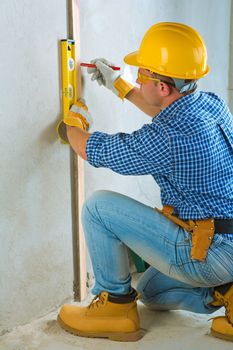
x=229, y=311
x=97, y=301
x=228, y=306
x=100, y=299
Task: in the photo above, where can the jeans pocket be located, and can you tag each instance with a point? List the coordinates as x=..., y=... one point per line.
x=220, y=257
x=208, y=274
x=217, y=269
x=196, y=274
x=217, y=240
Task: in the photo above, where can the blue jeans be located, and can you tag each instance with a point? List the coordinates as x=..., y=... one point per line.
x=112, y=222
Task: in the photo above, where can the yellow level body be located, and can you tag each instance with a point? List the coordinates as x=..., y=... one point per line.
x=69, y=86
x=68, y=65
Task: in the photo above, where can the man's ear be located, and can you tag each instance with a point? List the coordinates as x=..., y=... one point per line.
x=165, y=89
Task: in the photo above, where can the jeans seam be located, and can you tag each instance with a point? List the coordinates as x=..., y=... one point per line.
x=117, y=211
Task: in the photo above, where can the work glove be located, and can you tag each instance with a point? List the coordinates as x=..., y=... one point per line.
x=109, y=78
x=78, y=116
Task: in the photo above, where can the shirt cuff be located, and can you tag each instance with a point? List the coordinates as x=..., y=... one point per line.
x=94, y=148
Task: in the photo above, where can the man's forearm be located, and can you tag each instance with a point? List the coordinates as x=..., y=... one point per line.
x=135, y=97
x=78, y=140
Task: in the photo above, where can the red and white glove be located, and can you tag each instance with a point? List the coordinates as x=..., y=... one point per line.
x=111, y=79
x=77, y=116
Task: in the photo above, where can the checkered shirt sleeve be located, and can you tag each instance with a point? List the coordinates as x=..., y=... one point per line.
x=145, y=151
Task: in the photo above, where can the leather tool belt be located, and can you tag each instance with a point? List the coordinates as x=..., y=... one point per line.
x=202, y=231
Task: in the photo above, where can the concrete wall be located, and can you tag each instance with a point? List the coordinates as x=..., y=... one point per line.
x=35, y=249
x=35, y=226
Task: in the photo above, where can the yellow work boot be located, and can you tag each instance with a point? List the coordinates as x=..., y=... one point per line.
x=107, y=316
x=222, y=326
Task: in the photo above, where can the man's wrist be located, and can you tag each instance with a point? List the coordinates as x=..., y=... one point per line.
x=123, y=87
x=74, y=119
x=78, y=139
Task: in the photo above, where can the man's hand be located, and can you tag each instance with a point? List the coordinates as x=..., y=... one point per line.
x=73, y=128
x=78, y=115
x=77, y=122
x=103, y=73
x=109, y=78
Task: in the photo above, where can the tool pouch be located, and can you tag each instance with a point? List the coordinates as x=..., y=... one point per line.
x=202, y=232
x=202, y=236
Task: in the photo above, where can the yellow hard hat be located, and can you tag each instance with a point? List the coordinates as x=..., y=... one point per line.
x=171, y=49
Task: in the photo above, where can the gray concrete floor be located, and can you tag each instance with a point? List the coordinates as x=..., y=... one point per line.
x=176, y=330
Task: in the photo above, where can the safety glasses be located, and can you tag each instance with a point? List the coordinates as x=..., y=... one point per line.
x=144, y=79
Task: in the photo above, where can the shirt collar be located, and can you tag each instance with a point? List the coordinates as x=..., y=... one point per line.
x=168, y=112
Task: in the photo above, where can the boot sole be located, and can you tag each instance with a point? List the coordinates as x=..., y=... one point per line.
x=221, y=336
x=132, y=336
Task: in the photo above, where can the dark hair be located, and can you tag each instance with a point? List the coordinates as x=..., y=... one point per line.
x=170, y=81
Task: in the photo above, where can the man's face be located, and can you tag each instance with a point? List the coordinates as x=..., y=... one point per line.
x=150, y=88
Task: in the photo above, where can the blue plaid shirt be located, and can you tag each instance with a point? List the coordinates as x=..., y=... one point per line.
x=187, y=148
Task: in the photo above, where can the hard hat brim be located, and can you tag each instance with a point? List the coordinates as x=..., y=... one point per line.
x=132, y=59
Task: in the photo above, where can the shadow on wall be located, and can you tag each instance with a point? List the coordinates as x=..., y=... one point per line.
x=48, y=135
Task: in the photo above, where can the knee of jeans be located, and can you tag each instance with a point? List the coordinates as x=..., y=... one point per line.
x=90, y=206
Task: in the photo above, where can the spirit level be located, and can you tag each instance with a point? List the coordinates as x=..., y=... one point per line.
x=69, y=86
x=69, y=89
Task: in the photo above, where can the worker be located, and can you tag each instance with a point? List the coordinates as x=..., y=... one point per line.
x=187, y=146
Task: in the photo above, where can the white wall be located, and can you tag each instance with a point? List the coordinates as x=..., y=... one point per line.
x=35, y=226
x=35, y=249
